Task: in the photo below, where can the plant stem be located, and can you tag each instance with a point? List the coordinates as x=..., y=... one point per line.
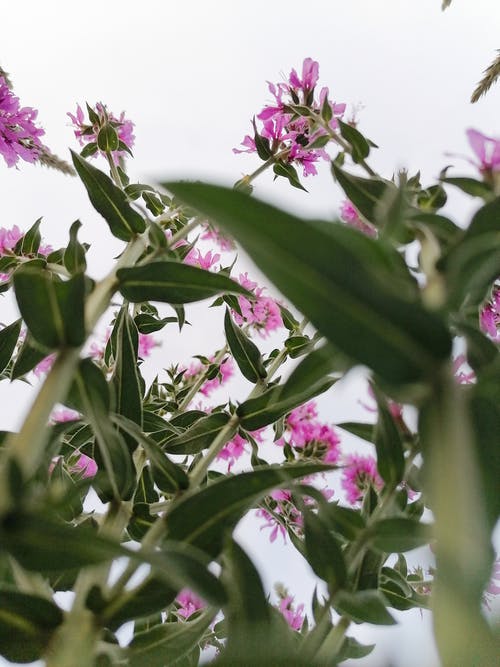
x=200, y=470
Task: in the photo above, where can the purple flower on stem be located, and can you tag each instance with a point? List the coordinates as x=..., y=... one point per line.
x=263, y=313
x=351, y=216
x=188, y=603
x=100, y=117
x=293, y=126
x=487, y=149
x=294, y=617
x=358, y=476
x=19, y=136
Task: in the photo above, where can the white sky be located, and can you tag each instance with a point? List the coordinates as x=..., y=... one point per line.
x=191, y=75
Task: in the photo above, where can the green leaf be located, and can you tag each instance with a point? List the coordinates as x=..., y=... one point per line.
x=107, y=139
x=9, y=336
x=90, y=394
x=365, y=193
x=388, y=443
x=29, y=355
x=165, y=645
x=364, y=607
x=147, y=324
x=338, y=281
x=399, y=534
x=312, y=371
x=29, y=243
x=470, y=186
x=199, y=436
x=360, y=429
x=323, y=553
x=151, y=596
x=109, y=201
x=172, y=477
x=352, y=649
x=289, y=172
x=27, y=623
x=74, y=254
x=173, y=282
x=267, y=408
x=52, y=309
x=244, y=351
x=360, y=146
x=203, y=517
x=126, y=380
x=345, y=521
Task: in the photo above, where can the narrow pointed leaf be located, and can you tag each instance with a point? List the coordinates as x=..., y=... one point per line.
x=167, y=644
x=173, y=282
x=323, y=553
x=126, y=380
x=244, y=351
x=199, y=436
x=203, y=517
x=9, y=336
x=109, y=201
x=29, y=243
x=74, y=254
x=29, y=355
x=399, y=534
x=388, y=443
x=364, y=607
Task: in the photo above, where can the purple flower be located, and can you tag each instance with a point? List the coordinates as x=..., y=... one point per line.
x=294, y=617
x=146, y=344
x=309, y=437
x=351, y=216
x=487, y=149
x=87, y=133
x=19, y=136
x=294, y=134
x=263, y=313
x=9, y=239
x=85, y=466
x=358, y=476
x=188, y=603
x=489, y=317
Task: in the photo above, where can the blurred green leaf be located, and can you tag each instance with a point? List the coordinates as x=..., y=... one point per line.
x=51, y=308
x=29, y=355
x=109, y=201
x=399, y=534
x=323, y=553
x=388, y=443
x=364, y=607
x=471, y=186
x=335, y=279
x=165, y=645
x=360, y=429
x=27, y=623
x=364, y=193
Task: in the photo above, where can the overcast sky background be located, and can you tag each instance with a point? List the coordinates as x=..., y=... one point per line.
x=191, y=75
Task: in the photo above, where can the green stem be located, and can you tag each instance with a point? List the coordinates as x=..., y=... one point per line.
x=199, y=471
x=333, y=642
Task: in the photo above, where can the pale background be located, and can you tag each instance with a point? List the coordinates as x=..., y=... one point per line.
x=191, y=75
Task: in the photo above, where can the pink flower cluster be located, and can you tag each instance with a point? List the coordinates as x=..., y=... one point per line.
x=262, y=313
x=188, y=603
x=9, y=239
x=309, y=437
x=211, y=233
x=19, y=136
x=235, y=448
x=490, y=316
x=358, y=476
x=87, y=132
x=296, y=136
x=196, y=258
x=351, y=216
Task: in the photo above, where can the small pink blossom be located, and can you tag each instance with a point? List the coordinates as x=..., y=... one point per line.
x=226, y=371
x=19, y=136
x=45, y=365
x=263, y=313
x=61, y=415
x=310, y=76
x=359, y=475
x=463, y=375
x=85, y=466
x=232, y=451
x=196, y=258
x=86, y=132
x=350, y=215
x=9, y=239
x=489, y=317
x=146, y=344
x=294, y=617
x=211, y=233
x=188, y=603
x=45, y=249
x=487, y=150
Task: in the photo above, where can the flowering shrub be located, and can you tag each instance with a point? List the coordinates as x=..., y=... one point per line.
x=160, y=549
